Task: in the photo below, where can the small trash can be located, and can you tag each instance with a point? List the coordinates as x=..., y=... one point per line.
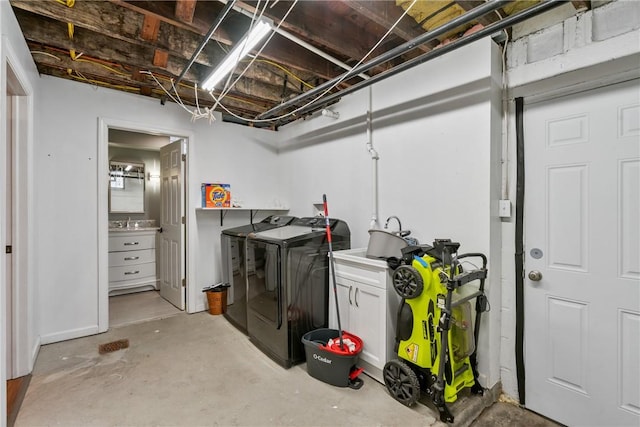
x=217, y=299
x=328, y=366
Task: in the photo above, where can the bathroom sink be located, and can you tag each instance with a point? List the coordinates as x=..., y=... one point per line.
x=127, y=229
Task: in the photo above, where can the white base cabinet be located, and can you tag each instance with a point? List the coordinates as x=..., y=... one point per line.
x=368, y=307
x=132, y=262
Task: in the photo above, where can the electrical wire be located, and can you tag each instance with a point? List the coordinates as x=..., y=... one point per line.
x=227, y=87
x=328, y=89
x=273, y=63
x=79, y=76
x=122, y=73
x=96, y=60
x=39, y=52
x=289, y=72
x=167, y=92
x=197, y=113
x=76, y=58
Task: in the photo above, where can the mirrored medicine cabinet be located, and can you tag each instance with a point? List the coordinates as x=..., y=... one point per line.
x=126, y=187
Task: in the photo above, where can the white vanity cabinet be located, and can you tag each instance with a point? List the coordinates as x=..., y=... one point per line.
x=132, y=261
x=368, y=307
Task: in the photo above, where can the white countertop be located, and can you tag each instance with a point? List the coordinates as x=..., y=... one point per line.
x=132, y=229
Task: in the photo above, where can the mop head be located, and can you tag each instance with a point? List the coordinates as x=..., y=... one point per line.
x=351, y=344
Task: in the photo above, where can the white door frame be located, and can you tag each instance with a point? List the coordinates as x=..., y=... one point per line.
x=104, y=124
x=26, y=341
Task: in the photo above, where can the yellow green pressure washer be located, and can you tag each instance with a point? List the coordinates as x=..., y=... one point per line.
x=435, y=314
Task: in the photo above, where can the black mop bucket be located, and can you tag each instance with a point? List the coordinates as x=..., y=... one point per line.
x=329, y=363
x=332, y=354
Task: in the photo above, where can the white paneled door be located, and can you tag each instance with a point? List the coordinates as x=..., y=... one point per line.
x=172, y=236
x=582, y=265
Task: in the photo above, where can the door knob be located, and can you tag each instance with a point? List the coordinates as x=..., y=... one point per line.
x=535, y=276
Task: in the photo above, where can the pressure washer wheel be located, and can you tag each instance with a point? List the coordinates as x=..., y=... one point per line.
x=407, y=282
x=402, y=383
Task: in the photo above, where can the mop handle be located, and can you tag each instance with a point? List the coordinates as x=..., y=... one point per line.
x=333, y=267
x=326, y=220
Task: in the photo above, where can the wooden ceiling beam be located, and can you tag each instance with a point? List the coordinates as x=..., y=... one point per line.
x=385, y=14
x=315, y=22
x=185, y=10
x=166, y=13
x=52, y=39
x=52, y=33
x=268, y=94
x=124, y=24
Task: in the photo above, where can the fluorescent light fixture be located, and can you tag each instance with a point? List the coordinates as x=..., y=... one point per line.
x=260, y=29
x=128, y=168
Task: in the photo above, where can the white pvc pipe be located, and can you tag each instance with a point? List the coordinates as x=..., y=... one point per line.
x=374, y=165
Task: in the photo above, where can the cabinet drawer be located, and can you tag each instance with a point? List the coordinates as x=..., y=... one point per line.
x=376, y=278
x=132, y=242
x=144, y=256
x=132, y=272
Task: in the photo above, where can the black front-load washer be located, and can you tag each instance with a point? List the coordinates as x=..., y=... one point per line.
x=288, y=284
x=234, y=264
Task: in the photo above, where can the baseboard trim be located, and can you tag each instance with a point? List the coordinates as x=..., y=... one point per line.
x=199, y=307
x=34, y=353
x=69, y=335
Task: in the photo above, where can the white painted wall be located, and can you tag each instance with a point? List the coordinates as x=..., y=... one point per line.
x=436, y=128
x=14, y=51
x=596, y=48
x=67, y=245
x=417, y=133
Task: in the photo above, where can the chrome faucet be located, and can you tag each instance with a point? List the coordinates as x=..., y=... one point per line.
x=386, y=224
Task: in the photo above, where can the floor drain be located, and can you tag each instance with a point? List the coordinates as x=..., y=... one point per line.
x=113, y=346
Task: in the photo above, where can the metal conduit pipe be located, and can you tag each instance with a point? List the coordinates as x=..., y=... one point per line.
x=491, y=29
x=205, y=40
x=393, y=53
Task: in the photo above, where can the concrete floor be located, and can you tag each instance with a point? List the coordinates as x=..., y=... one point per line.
x=195, y=370
x=137, y=307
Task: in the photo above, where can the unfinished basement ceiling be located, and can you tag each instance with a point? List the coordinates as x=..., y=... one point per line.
x=142, y=47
